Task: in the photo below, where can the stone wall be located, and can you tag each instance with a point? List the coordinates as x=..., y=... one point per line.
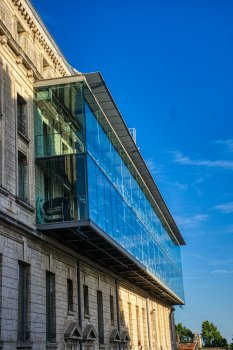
x=43, y=254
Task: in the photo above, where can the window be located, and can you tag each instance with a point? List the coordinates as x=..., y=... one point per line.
x=100, y=317
x=86, y=301
x=50, y=308
x=112, y=310
x=138, y=326
x=23, y=300
x=21, y=177
x=21, y=115
x=70, y=294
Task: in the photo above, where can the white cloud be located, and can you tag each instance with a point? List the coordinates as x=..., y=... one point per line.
x=191, y=221
x=225, y=208
x=152, y=166
x=224, y=164
x=222, y=272
x=228, y=143
x=182, y=187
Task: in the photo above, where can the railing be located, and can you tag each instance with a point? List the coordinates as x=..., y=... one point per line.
x=59, y=143
x=61, y=209
x=21, y=125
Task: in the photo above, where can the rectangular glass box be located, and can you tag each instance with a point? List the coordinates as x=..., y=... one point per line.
x=83, y=172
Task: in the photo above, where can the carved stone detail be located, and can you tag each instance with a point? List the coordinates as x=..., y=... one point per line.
x=4, y=39
x=19, y=60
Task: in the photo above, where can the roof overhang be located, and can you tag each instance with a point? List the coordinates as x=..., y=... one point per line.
x=88, y=239
x=109, y=107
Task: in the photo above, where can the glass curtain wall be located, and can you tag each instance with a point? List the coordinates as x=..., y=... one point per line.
x=82, y=171
x=61, y=189
x=120, y=204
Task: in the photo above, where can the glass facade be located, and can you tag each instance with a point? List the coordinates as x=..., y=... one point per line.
x=83, y=172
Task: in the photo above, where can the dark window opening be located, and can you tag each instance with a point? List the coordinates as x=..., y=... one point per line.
x=138, y=326
x=100, y=317
x=112, y=310
x=23, y=333
x=70, y=294
x=86, y=300
x=21, y=117
x=50, y=308
x=21, y=178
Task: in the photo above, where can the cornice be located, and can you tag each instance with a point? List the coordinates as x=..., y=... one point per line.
x=40, y=36
x=7, y=39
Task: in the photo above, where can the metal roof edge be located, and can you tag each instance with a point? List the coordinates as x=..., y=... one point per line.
x=152, y=187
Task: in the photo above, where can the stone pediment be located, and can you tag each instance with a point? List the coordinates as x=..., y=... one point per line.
x=125, y=338
x=73, y=332
x=115, y=336
x=90, y=333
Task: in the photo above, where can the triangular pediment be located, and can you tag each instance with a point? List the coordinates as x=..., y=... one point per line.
x=90, y=333
x=73, y=332
x=115, y=336
x=125, y=338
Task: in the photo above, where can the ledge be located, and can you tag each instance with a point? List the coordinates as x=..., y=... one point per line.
x=52, y=346
x=23, y=137
x=4, y=191
x=70, y=313
x=24, y=345
x=25, y=205
x=87, y=316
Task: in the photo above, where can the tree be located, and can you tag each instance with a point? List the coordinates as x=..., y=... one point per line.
x=211, y=337
x=183, y=332
x=231, y=345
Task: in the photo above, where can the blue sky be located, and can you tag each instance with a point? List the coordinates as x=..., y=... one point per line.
x=169, y=67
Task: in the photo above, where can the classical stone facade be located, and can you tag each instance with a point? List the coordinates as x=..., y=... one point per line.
x=29, y=53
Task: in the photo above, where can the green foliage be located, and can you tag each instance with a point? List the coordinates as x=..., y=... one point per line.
x=184, y=333
x=211, y=337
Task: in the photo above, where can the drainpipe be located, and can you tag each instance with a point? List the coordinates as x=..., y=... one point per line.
x=79, y=300
x=148, y=320
x=118, y=312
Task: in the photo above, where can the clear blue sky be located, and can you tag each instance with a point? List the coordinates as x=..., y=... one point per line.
x=169, y=67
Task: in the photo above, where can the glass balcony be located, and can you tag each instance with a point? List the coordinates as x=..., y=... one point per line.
x=83, y=172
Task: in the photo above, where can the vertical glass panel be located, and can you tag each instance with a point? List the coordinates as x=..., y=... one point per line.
x=61, y=188
x=59, y=119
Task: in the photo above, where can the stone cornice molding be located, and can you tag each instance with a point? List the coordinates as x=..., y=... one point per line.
x=47, y=46
x=7, y=38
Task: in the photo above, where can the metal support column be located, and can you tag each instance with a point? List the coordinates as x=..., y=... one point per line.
x=173, y=329
x=148, y=321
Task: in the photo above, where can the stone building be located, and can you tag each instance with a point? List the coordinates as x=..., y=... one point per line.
x=89, y=252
